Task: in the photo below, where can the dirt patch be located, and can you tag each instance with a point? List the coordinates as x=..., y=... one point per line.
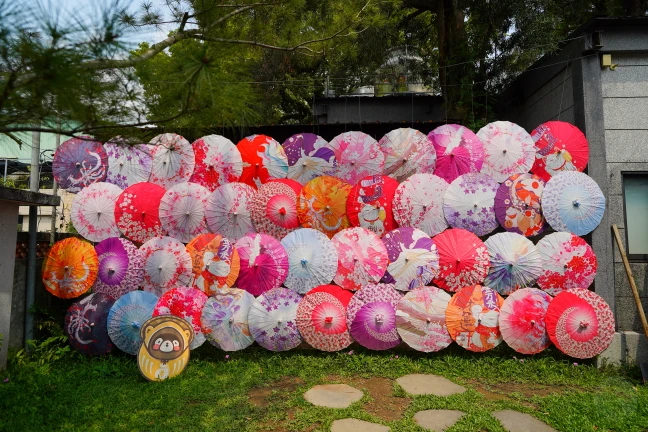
x=384, y=405
x=260, y=396
x=503, y=391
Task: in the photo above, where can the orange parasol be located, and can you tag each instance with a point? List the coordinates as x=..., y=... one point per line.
x=322, y=205
x=70, y=268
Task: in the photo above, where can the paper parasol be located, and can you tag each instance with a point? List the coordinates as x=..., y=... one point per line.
x=137, y=212
x=126, y=318
x=93, y=211
x=173, y=160
x=273, y=320
x=70, y=268
x=218, y=161
x=458, y=150
x=228, y=210
x=127, y=164
x=371, y=316
x=78, y=163
x=560, y=146
x=369, y=204
x=517, y=204
x=264, y=159
x=407, y=152
x=514, y=263
x=215, y=265
x=322, y=205
x=182, y=211
x=312, y=259
x=508, y=150
x=357, y=156
x=463, y=259
x=166, y=264
x=418, y=203
x=522, y=320
x=413, y=258
x=421, y=319
x=469, y=203
x=264, y=263
x=274, y=209
x=362, y=258
x=86, y=325
x=309, y=156
x=224, y=320
x=185, y=303
x=121, y=267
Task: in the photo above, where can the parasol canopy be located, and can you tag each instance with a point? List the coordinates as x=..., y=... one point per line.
x=70, y=268
x=413, y=258
x=79, y=162
x=228, y=210
x=309, y=156
x=273, y=320
x=185, y=303
x=137, y=212
x=560, y=147
x=93, y=211
x=312, y=259
x=217, y=161
x=567, y=262
x=357, y=156
x=264, y=263
x=264, y=159
x=369, y=204
x=421, y=319
x=469, y=203
x=362, y=258
x=182, y=211
x=215, y=264
x=472, y=318
x=86, y=325
x=508, y=150
x=371, y=316
x=121, y=267
x=321, y=318
x=418, y=203
x=522, y=320
x=166, y=264
x=173, y=160
x=580, y=323
x=127, y=164
x=322, y=205
x=126, y=318
x=514, y=263
x=463, y=259
x=517, y=204
x=458, y=151
x=407, y=152
x=572, y=201
x=224, y=319
x=274, y=209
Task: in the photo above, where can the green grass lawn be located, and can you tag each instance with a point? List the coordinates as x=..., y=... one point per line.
x=259, y=390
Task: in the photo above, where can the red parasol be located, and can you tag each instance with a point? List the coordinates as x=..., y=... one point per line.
x=463, y=259
x=137, y=212
x=560, y=146
x=264, y=159
x=369, y=204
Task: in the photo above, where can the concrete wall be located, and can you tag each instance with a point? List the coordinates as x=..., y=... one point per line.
x=8, y=215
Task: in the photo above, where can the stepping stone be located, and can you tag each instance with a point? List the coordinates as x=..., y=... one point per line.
x=333, y=395
x=422, y=384
x=355, y=425
x=437, y=420
x=515, y=421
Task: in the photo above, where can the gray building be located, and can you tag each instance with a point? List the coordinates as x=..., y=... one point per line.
x=599, y=81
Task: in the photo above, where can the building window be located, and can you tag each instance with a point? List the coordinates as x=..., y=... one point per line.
x=635, y=195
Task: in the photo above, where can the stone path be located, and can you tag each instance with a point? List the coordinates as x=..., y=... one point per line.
x=333, y=395
x=437, y=420
x=515, y=421
x=355, y=425
x=420, y=384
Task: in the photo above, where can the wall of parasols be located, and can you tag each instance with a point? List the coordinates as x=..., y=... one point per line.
x=332, y=242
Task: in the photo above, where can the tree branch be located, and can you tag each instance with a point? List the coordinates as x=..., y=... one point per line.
x=15, y=138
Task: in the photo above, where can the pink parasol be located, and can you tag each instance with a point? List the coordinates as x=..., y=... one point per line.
x=182, y=211
x=263, y=160
x=560, y=147
x=357, y=155
x=166, y=264
x=369, y=204
x=120, y=267
x=463, y=259
x=264, y=263
x=508, y=150
x=371, y=316
x=93, y=211
x=173, y=160
x=228, y=210
x=469, y=203
x=218, y=161
x=137, y=212
x=418, y=203
x=458, y=150
x=407, y=152
x=362, y=258
x=274, y=209
x=185, y=303
x=522, y=320
x=421, y=320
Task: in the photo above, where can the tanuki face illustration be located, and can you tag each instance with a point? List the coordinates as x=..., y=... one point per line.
x=165, y=347
x=166, y=344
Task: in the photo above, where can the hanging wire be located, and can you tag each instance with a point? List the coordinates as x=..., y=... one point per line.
x=562, y=92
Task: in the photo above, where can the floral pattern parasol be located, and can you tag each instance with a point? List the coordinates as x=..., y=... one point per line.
x=362, y=258
x=421, y=319
x=514, y=263
x=127, y=164
x=93, y=211
x=185, y=303
x=173, y=160
x=274, y=209
x=120, y=267
x=458, y=150
x=413, y=258
x=469, y=203
x=224, y=320
x=182, y=211
x=264, y=159
x=522, y=320
x=517, y=204
x=166, y=265
x=407, y=152
x=508, y=150
x=264, y=263
x=322, y=205
x=371, y=316
x=357, y=155
x=309, y=156
x=79, y=162
x=137, y=212
x=218, y=161
x=228, y=210
x=273, y=320
x=312, y=259
x=560, y=146
x=463, y=259
x=418, y=203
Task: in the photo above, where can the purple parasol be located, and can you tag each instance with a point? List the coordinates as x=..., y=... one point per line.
x=86, y=324
x=469, y=203
x=127, y=164
x=309, y=156
x=371, y=316
x=413, y=258
x=121, y=267
x=273, y=319
x=78, y=163
x=517, y=204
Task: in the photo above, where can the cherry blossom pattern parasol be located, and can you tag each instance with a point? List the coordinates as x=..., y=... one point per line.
x=580, y=323
x=413, y=258
x=418, y=203
x=93, y=211
x=224, y=319
x=274, y=209
x=126, y=318
x=469, y=203
x=560, y=146
x=463, y=259
x=312, y=259
x=78, y=163
x=166, y=265
x=86, y=325
x=371, y=316
x=120, y=267
x=215, y=265
x=369, y=204
x=572, y=201
x=517, y=204
x=567, y=262
x=514, y=263
x=127, y=164
x=264, y=263
x=421, y=319
x=321, y=318
x=358, y=155
x=70, y=268
x=173, y=160
x=309, y=156
x=458, y=150
x=322, y=205
x=407, y=152
x=228, y=210
x=137, y=212
x=273, y=319
x=472, y=318
x=217, y=162
x=185, y=303
x=508, y=150
x=182, y=211
x=362, y=258
x=264, y=159
x=522, y=320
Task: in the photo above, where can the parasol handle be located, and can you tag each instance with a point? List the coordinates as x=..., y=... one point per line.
x=631, y=280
